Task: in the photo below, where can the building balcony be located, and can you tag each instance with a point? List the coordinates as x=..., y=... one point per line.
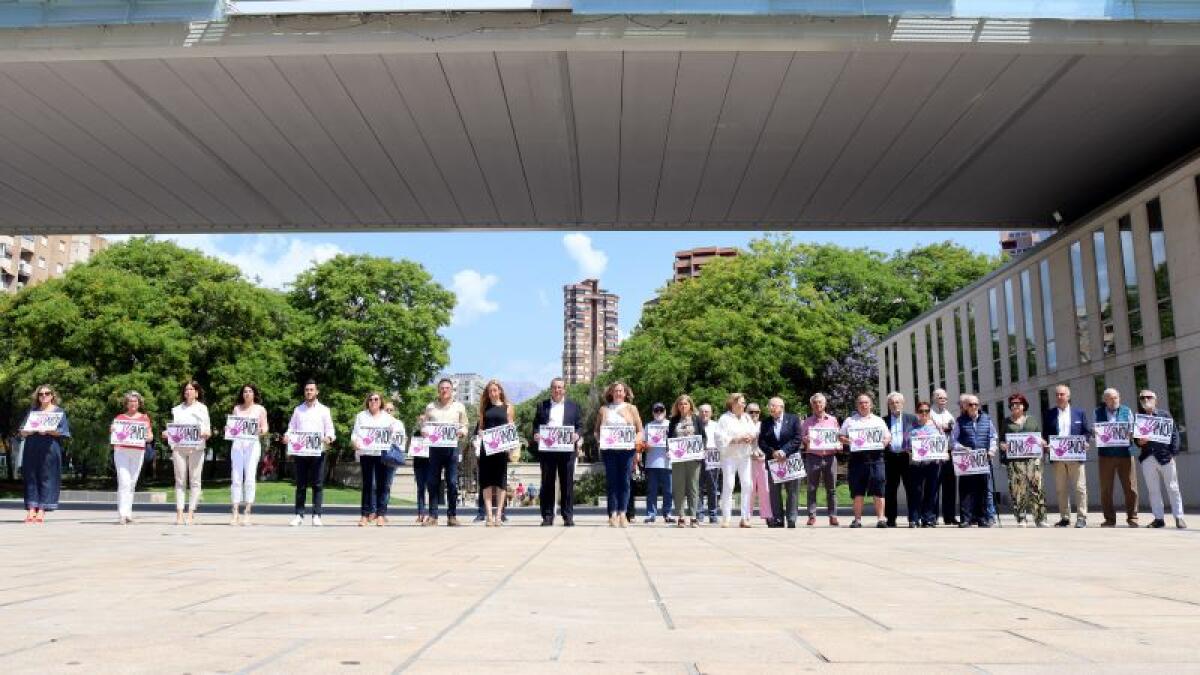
x=24, y=270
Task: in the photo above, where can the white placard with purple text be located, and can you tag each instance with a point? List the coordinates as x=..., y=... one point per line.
x=184, y=436
x=129, y=433
x=971, y=462
x=1112, y=434
x=418, y=446
x=618, y=437
x=786, y=470
x=712, y=458
x=1068, y=448
x=500, y=439
x=656, y=434
x=39, y=421
x=866, y=436
x=373, y=440
x=556, y=439
x=1024, y=445
x=1153, y=428
x=441, y=435
x=686, y=448
x=241, y=428
x=305, y=443
x=930, y=447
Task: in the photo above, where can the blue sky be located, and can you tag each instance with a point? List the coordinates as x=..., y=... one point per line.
x=509, y=284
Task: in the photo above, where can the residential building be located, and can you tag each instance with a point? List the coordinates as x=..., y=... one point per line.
x=26, y=260
x=590, y=335
x=689, y=263
x=1017, y=242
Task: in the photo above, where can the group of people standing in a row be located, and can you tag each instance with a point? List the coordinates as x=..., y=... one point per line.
x=738, y=447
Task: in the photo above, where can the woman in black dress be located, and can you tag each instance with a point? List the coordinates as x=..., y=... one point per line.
x=493, y=469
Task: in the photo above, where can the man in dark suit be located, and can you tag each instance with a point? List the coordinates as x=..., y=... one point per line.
x=1070, y=480
x=896, y=459
x=779, y=437
x=557, y=411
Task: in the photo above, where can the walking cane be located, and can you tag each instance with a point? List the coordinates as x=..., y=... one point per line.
x=992, y=487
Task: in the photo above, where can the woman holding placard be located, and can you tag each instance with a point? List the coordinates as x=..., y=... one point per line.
x=618, y=413
x=43, y=429
x=374, y=431
x=1022, y=456
x=187, y=435
x=129, y=433
x=245, y=426
x=925, y=472
x=493, y=468
x=685, y=475
x=737, y=437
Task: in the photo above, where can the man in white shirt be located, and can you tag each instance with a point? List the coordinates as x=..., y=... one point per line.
x=311, y=416
x=940, y=414
x=1070, y=480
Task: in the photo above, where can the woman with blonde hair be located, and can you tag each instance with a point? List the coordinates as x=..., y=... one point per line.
x=41, y=459
x=685, y=476
x=189, y=462
x=618, y=464
x=376, y=475
x=495, y=411
x=737, y=436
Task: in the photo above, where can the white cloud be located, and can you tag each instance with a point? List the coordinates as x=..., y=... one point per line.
x=592, y=262
x=271, y=260
x=472, y=288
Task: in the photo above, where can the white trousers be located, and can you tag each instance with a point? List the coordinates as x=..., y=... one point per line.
x=739, y=468
x=187, y=473
x=129, y=466
x=244, y=470
x=1154, y=472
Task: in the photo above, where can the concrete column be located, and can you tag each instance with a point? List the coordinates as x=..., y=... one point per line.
x=1145, y=270
x=1116, y=283
x=982, y=347
x=1091, y=295
x=1181, y=225
x=950, y=354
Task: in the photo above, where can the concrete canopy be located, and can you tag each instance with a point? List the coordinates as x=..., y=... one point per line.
x=529, y=120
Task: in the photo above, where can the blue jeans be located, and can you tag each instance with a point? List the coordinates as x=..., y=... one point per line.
x=443, y=460
x=710, y=492
x=618, y=465
x=658, y=481
x=376, y=485
x=991, y=499
x=421, y=476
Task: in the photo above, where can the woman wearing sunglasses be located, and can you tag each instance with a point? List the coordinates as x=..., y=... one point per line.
x=376, y=474
x=41, y=459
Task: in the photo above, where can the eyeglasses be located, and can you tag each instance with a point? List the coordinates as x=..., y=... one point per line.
x=1014, y=404
x=755, y=412
x=45, y=393
x=923, y=411
x=1145, y=398
x=373, y=398
x=972, y=405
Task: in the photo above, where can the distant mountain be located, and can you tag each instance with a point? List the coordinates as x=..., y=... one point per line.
x=521, y=391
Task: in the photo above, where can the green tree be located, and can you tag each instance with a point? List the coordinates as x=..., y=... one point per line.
x=145, y=315
x=937, y=271
x=372, y=325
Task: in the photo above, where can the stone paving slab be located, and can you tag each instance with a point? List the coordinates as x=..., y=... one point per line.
x=83, y=595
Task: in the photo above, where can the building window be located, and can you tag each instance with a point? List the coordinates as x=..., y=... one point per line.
x=1141, y=377
x=1175, y=398
x=1162, y=280
x=994, y=325
x=1048, y=317
x=912, y=340
x=1043, y=404
x=1133, y=301
x=41, y=263
x=887, y=368
x=1027, y=307
x=1081, y=317
x=45, y=241
x=62, y=245
x=1010, y=317
x=1000, y=416
x=58, y=269
x=971, y=344
x=958, y=347
x=939, y=329
x=1105, y=294
x=896, y=365
x=1098, y=386
x=932, y=382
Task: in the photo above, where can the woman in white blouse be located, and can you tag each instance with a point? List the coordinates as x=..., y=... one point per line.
x=737, y=436
x=618, y=464
x=189, y=462
x=245, y=453
x=376, y=475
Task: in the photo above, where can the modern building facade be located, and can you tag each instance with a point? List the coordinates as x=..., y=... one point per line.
x=689, y=263
x=590, y=335
x=1109, y=301
x=468, y=387
x=26, y=260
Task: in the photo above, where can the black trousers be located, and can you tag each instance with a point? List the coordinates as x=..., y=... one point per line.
x=949, y=493
x=896, y=473
x=310, y=472
x=558, y=466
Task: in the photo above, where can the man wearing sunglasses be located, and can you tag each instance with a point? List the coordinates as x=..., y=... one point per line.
x=1158, y=465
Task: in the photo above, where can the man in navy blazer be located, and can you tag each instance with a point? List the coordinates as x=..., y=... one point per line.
x=1070, y=480
x=896, y=459
x=557, y=411
x=779, y=437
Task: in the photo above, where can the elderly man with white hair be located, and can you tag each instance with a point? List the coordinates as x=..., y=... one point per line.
x=1116, y=461
x=820, y=463
x=943, y=417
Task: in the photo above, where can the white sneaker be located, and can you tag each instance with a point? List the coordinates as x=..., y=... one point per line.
x=297, y=521
x=316, y=521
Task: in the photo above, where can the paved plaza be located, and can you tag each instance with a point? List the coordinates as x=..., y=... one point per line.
x=83, y=595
